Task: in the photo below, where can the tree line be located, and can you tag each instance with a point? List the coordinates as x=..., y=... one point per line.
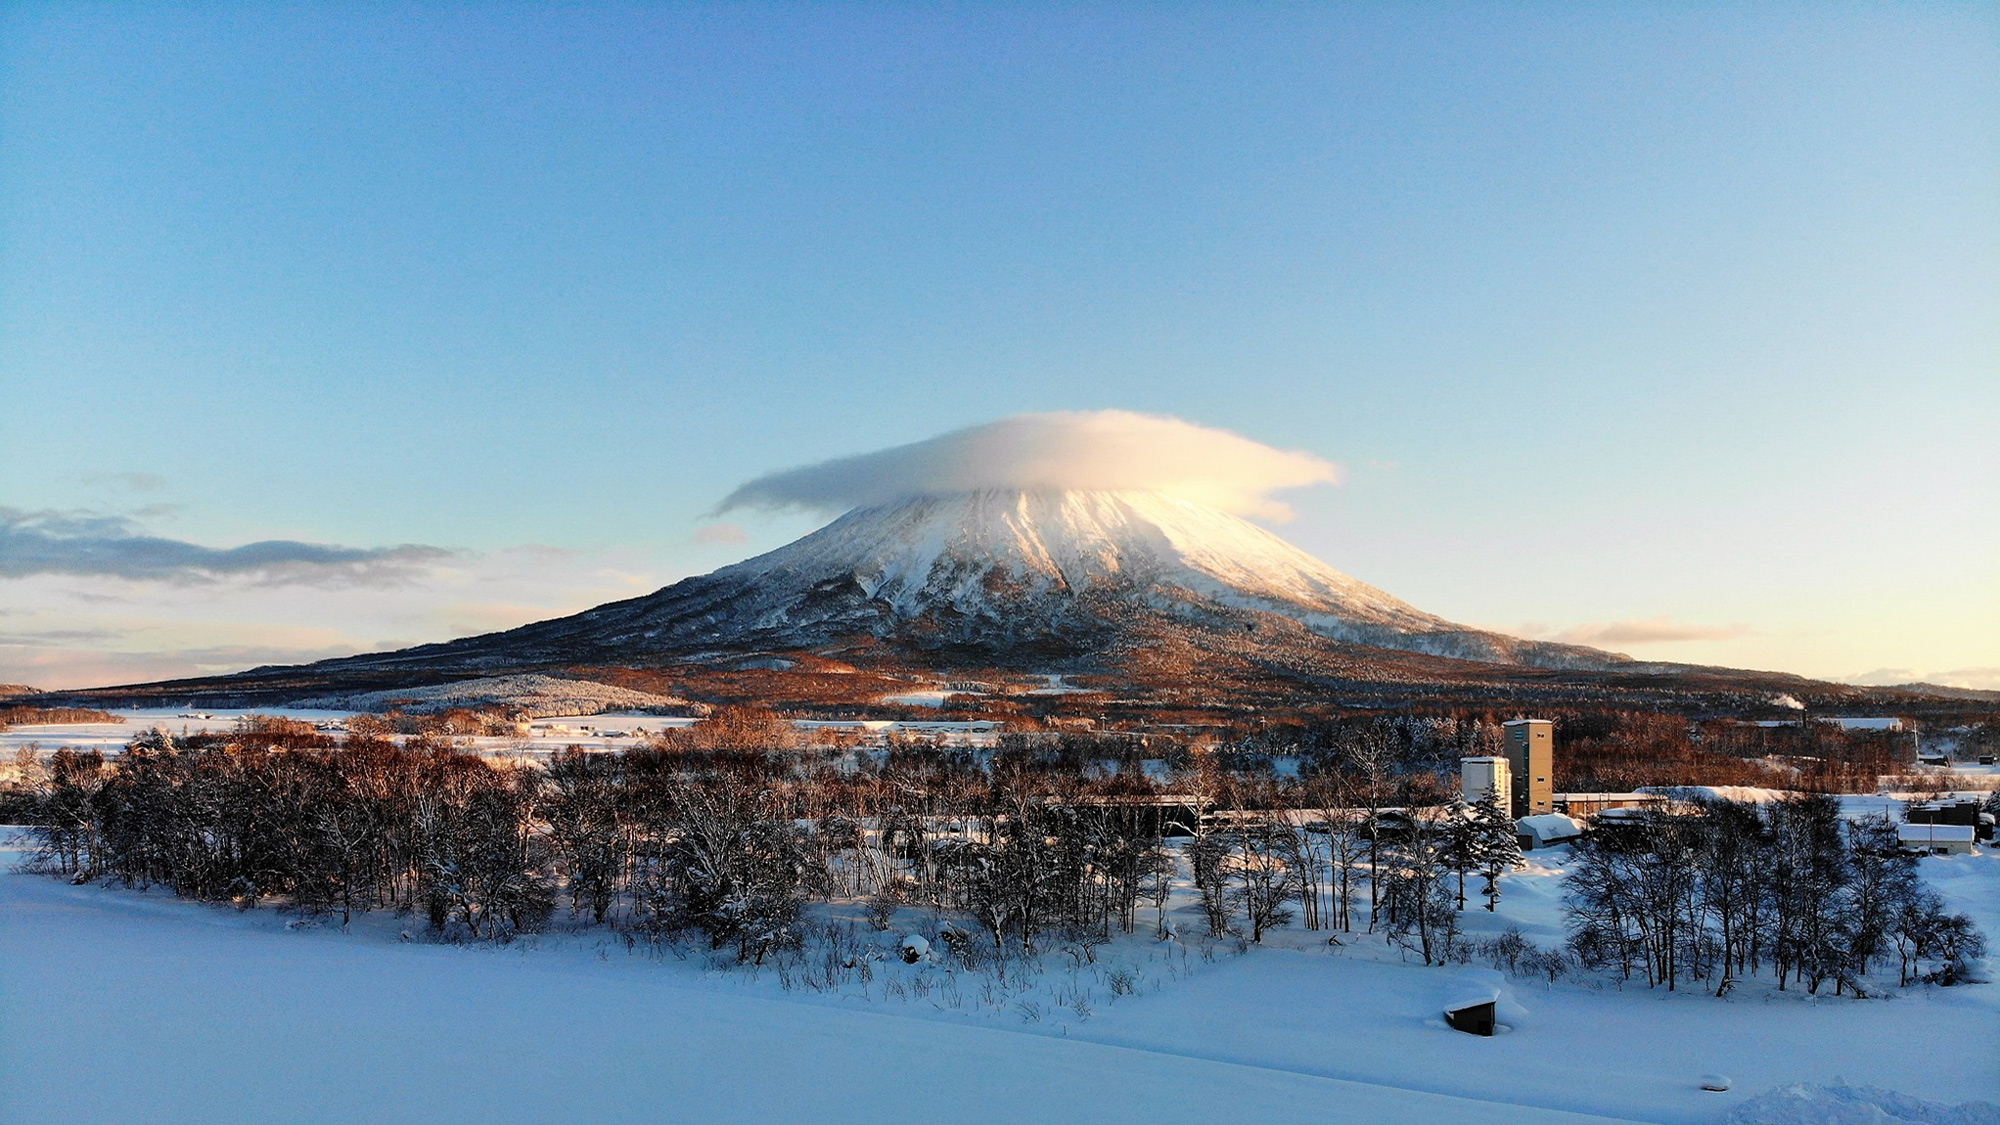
x=1723, y=891
x=729, y=831
x=731, y=840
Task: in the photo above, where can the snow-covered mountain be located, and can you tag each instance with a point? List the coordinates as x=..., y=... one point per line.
x=1173, y=607
x=983, y=555
x=1052, y=573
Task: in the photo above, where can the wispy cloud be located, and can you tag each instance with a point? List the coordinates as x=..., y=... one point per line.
x=37, y=638
x=85, y=543
x=722, y=533
x=56, y=668
x=1655, y=630
x=63, y=630
x=1979, y=679
x=1103, y=450
x=134, y=482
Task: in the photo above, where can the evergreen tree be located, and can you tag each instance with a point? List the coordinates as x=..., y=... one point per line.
x=1493, y=846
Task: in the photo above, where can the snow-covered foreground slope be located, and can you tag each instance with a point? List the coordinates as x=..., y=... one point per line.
x=123, y=1008
x=117, y=1006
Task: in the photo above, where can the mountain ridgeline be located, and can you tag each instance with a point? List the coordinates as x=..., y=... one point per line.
x=1166, y=603
x=1002, y=578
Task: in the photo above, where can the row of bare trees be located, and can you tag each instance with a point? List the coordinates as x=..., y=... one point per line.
x=1723, y=891
x=730, y=838
x=366, y=826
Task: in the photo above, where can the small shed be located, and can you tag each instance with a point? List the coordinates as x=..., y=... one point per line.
x=1476, y=1001
x=1474, y=1019
x=1546, y=830
x=1937, y=839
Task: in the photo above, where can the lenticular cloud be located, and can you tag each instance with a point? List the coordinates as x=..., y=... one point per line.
x=1103, y=450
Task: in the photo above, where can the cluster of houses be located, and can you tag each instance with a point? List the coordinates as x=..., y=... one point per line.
x=1544, y=818
x=1944, y=827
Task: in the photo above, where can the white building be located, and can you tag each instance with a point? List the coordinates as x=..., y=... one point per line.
x=1479, y=776
x=1937, y=839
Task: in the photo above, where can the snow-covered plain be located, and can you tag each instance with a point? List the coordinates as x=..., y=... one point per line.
x=602, y=731
x=122, y=1006
x=118, y=1005
x=537, y=695
x=111, y=737
x=544, y=735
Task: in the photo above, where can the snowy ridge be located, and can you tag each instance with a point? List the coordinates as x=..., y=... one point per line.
x=1032, y=561
x=1041, y=574
x=953, y=550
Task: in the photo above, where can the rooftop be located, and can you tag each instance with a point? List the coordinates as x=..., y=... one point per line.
x=1935, y=833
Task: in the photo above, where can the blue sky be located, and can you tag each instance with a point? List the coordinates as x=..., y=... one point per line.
x=1670, y=324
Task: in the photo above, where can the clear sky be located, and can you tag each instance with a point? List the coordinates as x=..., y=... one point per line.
x=1671, y=328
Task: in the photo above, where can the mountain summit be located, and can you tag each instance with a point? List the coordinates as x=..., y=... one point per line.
x=1004, y=576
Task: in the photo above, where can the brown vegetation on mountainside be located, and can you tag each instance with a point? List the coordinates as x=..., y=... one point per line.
x=23, y=716
x=1151, y=668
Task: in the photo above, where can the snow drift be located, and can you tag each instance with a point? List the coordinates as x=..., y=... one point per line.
x=1807, y=1103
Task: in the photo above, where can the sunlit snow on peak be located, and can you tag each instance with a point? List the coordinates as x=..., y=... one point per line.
x=918, y=553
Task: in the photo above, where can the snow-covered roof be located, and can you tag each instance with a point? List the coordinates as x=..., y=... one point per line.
x=1549, y=827
x=1468, y=987
x=1472, y=986
x=1935, y=833
x=1868, y=722
x=1844, y=722
x=1748, y=794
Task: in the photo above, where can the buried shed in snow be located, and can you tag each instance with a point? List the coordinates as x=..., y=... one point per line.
x=1476, y=1001
x=1474, y=1019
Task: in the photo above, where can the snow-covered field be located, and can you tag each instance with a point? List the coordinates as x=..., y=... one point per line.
x=122, y=1006
x=1053, y=684
x=117, y=1005
x=544, y=735
x=533, y=694
x=931, y=698
x=605, y=731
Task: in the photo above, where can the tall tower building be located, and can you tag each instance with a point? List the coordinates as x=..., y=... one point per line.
x=1530, y=751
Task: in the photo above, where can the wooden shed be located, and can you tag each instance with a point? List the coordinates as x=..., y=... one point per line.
x=1473, y=1019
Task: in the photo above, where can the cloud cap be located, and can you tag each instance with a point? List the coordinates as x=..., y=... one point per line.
x=1093, y=451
